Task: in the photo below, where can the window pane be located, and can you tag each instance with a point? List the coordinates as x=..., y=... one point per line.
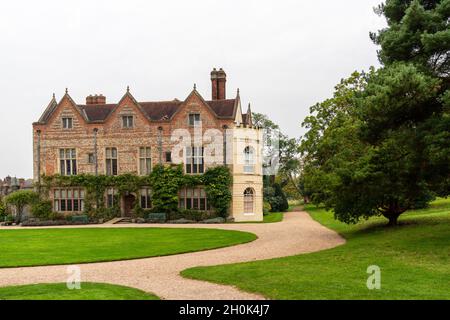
x=69, y=205
x=114, y=152
x=149, y=152
x=62, y=167
x=141, y=152
x=63, y=205
x=142, y=166
x=148, y=166
x=114, y=167
x=56, y=205
x=108, y=167
x=61, y=153
x=70, y=193
x=196, y=206
x=108, y=153
x=82, y=194
x=76, y=206
x=203, y=204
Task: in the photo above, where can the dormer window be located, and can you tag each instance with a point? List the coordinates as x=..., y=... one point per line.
x=67, y=123
x=194, y=119
x=127, y=122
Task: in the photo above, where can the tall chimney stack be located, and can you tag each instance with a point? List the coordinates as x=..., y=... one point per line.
x=97, y=99
x=218, y=84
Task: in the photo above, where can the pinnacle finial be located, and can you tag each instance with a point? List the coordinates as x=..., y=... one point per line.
x=195, y=86
x=67, y=90
x=238, y=91
x=54, y=97
x=128, y=88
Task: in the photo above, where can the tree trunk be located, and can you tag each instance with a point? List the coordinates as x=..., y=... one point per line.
x=393, y=218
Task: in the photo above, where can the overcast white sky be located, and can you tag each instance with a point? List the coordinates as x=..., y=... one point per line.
x=284, y=55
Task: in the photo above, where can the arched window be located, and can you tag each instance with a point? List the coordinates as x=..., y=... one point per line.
x=249, y=160
x=248, y=200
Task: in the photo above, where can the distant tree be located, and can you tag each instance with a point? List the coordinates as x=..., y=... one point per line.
x=286, y=151
x=19, y=200
x=276, y=197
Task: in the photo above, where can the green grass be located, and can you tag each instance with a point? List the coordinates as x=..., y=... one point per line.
x=59, y=291
x=33, y=247
x=273, y=217
x=414, y=259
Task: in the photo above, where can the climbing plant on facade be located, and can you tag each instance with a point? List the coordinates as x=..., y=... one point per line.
x=164, y=181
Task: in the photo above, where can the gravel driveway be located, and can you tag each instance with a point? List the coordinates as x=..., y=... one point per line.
x=297, y=233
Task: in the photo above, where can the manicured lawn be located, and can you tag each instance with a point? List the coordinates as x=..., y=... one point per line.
x=273, y=217
x=33, y=247
x=59, y=291
x=414, y=259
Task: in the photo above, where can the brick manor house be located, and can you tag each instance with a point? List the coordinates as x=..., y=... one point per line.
x=102, y=138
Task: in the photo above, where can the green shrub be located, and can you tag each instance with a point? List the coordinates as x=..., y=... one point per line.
x=104, y=213
x=2, y=209
x=276, y=198
x=42, y=209
x=195, y=215
x=56, y=216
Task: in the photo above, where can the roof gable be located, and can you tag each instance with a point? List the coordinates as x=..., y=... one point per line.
x=152, y=110
x=50, y=111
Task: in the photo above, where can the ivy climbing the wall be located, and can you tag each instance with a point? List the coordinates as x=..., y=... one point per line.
x=164, y=181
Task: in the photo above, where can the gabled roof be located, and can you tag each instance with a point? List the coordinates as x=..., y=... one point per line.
x=154, y=110
x=49, y=110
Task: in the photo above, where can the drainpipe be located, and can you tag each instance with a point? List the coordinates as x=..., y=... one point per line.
x=160, y=129
x=225, y=127
x=38, y=151
x=95, y=151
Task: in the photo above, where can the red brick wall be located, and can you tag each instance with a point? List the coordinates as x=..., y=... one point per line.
x=111, y=134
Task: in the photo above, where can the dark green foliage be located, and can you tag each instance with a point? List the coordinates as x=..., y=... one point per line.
x=276, y=198
x=2, y=209
x=42, y=209
x=381, y=145
x=217, y=182
x=165, y=182
x=417, y=32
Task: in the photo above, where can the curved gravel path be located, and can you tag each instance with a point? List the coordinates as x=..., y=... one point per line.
x=297, y=233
